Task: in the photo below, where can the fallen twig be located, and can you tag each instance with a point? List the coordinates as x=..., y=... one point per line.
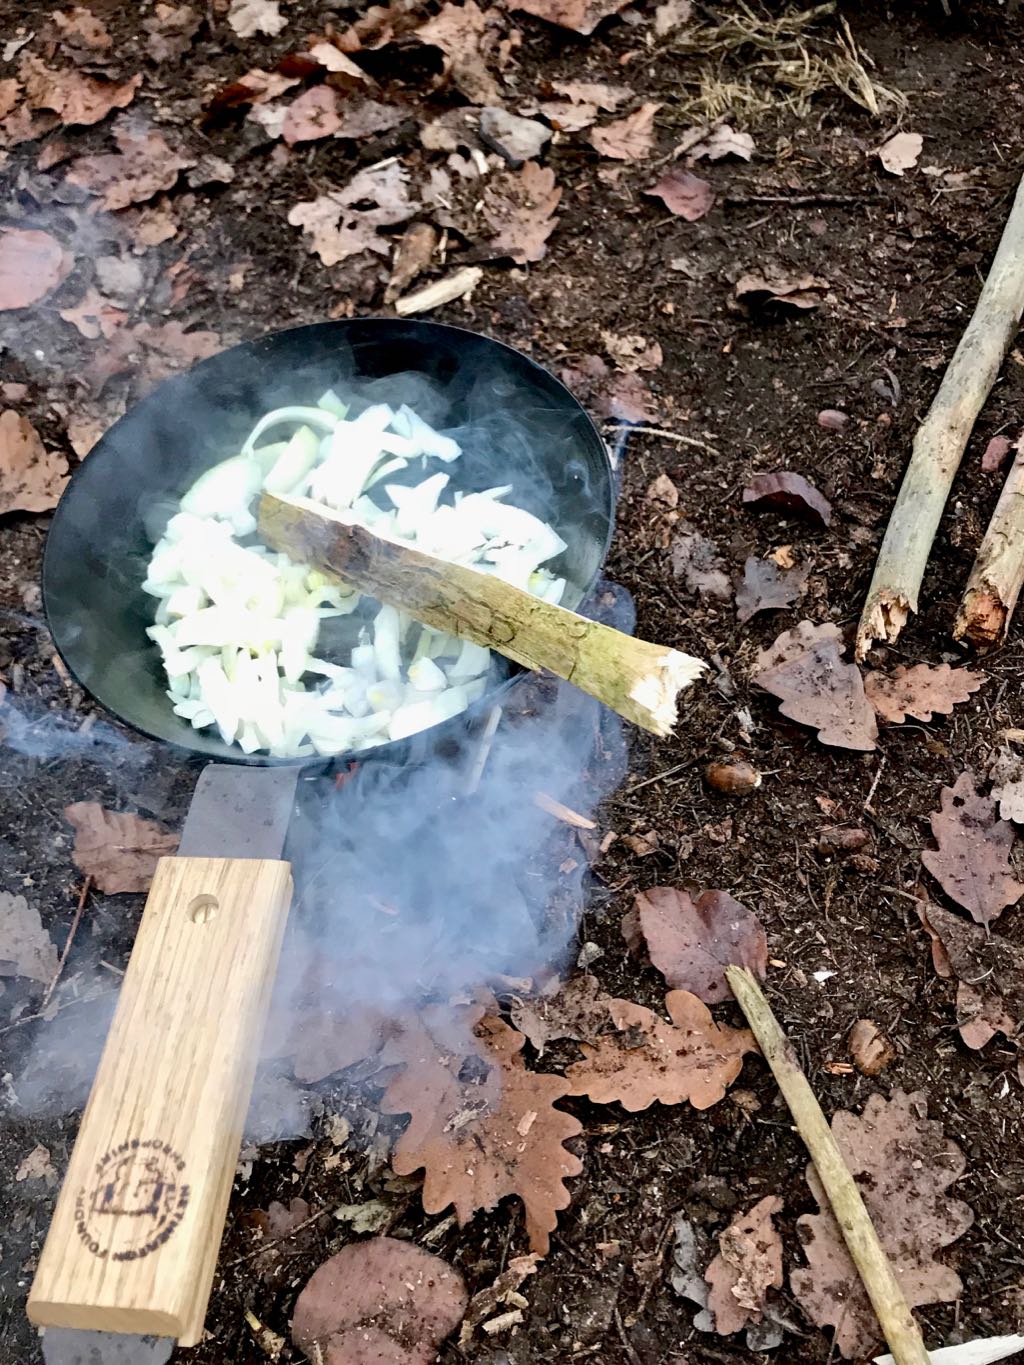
x=433, y=295
x=67, y=945
x=634, y=430
x=566, y=814
x=941, y=439
x=887, y=1299
x=998, y=571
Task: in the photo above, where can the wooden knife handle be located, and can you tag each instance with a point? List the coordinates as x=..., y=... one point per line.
x=135, y=1236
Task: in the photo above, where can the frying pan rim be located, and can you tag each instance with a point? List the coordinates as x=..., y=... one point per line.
x=442, y=728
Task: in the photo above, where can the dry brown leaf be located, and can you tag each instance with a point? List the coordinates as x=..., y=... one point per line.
x=171, y=29
x=903, y=1166
x=789, y=492
x=919, y=691
x=582, y=16
x=37, y=1166
x=870, y=1049
x=995, y=453
x=805, y=670
x=481, y=1125
x=663, y=490
x=972, y=861
x=632, y=352
x=989, y=969
x=338, y=230
x=767, y=587
x=520, y=207
x=345, y=73
x=117, y=850
x=684, y=194
x=627, y=139
x=723, y=141
x=900, y=152
x=623, y=396
x=31, y=477
x=153, y=353
x=312, y=115
x=414, y=254
x=363, y=117
x=94, y=315
x=144, y=164
x=461, y=32
x=80, y=28
x=378, y=1302
x=778, y=291
x=379, y=25
x=691, y=942
x=567, y=117
x=153, y=224
x=697, y=561
x=26, y=949
x=10, y=93
x=748, y=1264
x=1006, y=772
x=32, y=263
x=85, y=426
x=254, y=88
x=646, y=1059
x=578, y=1010
x=606, y=97
x=249, y=17
x=76, y=99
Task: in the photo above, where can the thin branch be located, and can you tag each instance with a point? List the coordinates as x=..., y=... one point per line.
x=992, y=590
x=67, y=944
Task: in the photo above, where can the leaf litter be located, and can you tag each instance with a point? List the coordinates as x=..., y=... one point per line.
x=338, y=228
x=32, y=478
x=804, y=668
x=691, y=941
x=684, y=194
x=627, y=139
x=26, y=949
x=972, y=861
x=748, y=1265
x=988, y=968
x=920, y=691
x=767, y=587
x=790, y=492
x=117, y=850
x=32, y=264
x=520, y=207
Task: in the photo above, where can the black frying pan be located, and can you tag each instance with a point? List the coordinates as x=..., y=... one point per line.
x=516, y=422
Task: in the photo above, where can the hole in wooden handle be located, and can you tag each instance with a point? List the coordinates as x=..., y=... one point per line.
x=202, y=908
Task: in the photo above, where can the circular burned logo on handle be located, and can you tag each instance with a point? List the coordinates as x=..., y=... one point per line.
x=136, y=1197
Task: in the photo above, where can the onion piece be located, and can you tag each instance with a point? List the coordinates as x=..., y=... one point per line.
x=295, y=461
x=314, y=417
x=226, y=488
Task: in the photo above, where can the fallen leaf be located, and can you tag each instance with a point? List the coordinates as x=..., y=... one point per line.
x=995, y=453
x=10, y=93
x=696, y=560
x=144, y=164
x=870, y=1049
x=624, y=397
x=664, y=491
x=748, y=1264
x=32, y=263
x=627, y=139
x=152, y=353
x=469, y=1100
x=117, y=850
x=281, y=1220
x=249, y=17
x=31, y=477
x=171, y=29
x=413, y=256
x=691, y=942
x=989, y=970
x=515, y=139
x=903, y=1166
x=153, y=224
x=972, y=861
x=684, y=194
x=577, y=1010
x=74, y=98
x=723, y=141
x=520, y=207
x=373, y=1215
x=312, y=115
x=378, y=1302
x=646, y=1059
x=460, y=32
x=80, y=28
x=567, y=117
x=322, y=1039
x=900, y=152
x=790, y=492
x=582, y=16
x=805, y=670
x=632, y=352
x=606, y=97
x=671, y=15
x=84, y=428
x=345, y=73
x=37, y=1166
x=378, y=25
x=362, y=117
x=254, y=88
x=1006, y=772
x=26, y=949
x=767, y=587
x=338, y=229
x=503, y=1290
x=803, y=291
x=94, y=315
x=919, y=691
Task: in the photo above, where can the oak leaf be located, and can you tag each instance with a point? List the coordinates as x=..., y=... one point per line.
x=723, y=141
x=804, y=668
x=171, y=29
x=790, y=492
x=597, y=93
x=26, y=949
x=32, y=478
x=582, y=16
x=748, y=1264
x=94, y=315
x=627, y=139
x=312, y=115
x=577, y=1010
x=1006, y=772
x=646, y=1059
x=697, y=561
x=249, y=17
x=32, y=263
x=684, y=194
x=461, y=32
x=378, y=1302
x=75, y=99
x=780, y=291
x=767, y=587
x=691, y=942
x=144, y=164
x=972, y=861
x=481, y=1125
x=900, y=153
x=520, y=207
x=117, y=850
x=903, y=1166
x=337, y=229
x=80, y=28
x=919, y=691
x=989, y=970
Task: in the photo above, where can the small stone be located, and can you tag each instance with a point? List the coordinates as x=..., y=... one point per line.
x=832, y=419
x=732, y=777
x=870, y=1049
x=834, y=842
x=514, y=138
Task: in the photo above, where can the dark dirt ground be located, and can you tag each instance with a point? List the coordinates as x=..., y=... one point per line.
x=904, y=258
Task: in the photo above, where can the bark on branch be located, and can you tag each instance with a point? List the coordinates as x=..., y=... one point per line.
x=998, y=572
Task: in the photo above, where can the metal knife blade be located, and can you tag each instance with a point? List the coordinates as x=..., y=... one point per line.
x=235, y=812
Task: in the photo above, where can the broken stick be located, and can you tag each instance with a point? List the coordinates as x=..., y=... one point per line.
x=640, y=681
x=883, y=1289
x=998, y=571
x=941, y=439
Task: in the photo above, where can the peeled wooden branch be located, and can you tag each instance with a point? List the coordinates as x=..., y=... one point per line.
x=883, y=1289
x=640, y=681
x=998, y=572
x=942, y=438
